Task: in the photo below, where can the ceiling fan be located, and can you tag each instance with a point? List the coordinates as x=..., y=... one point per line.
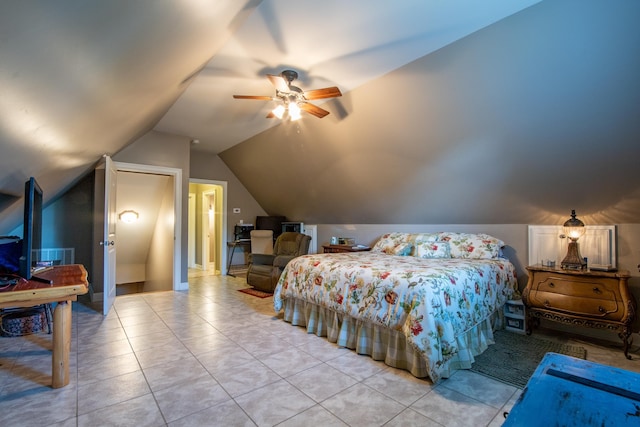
x=292, y=98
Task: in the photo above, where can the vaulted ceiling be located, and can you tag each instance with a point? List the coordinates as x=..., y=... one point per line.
x=81, y=78
x=500, y=111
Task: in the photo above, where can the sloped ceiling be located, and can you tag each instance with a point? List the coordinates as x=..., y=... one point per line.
x=82, y=78
x=518, y=123
x=328, y=43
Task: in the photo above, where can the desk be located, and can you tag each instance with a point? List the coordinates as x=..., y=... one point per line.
x=68, y=281
x=233, y=245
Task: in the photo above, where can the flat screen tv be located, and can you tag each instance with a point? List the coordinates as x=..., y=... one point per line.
x=32, y=234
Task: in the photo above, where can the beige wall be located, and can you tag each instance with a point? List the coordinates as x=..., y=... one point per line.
x=159, y=266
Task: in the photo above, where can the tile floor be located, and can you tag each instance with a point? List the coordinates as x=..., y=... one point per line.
x=215, y=356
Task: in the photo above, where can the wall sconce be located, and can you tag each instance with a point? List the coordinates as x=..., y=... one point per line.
x=573, y=228
x=128, y=216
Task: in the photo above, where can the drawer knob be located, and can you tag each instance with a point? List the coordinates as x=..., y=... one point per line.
x=601, y=309
x=551, y=285
x=597, y=290
x=546, y=303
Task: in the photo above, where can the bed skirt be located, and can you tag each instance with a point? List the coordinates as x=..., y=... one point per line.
x=389, y=345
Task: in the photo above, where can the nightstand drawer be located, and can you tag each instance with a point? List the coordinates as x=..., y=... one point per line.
x=578, y=305
x=578, y=288
x=585, y=288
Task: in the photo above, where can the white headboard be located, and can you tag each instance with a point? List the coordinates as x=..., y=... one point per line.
x=547, y=242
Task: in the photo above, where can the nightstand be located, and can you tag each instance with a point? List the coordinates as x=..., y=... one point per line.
x=595, y=299
x=332, y=249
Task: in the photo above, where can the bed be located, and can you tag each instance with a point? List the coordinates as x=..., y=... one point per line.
x=424, y=302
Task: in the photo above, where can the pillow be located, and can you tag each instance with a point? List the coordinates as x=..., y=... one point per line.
x=432, y=249
x=394, y=244
x=472, y=246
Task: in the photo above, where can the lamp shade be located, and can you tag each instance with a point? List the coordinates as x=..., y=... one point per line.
x=279, y=111
x=573, y=228
x=294, y=111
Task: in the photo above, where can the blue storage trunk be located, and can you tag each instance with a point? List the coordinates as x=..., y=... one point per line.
x=565, y=391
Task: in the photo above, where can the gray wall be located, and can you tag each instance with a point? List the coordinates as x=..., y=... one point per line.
x=516, y=124
x=207, y=166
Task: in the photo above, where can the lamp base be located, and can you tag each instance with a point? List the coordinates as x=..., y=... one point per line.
x=573, y=260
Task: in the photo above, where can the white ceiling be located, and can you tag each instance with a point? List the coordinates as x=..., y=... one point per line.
x=82, y=78
x=329, y=43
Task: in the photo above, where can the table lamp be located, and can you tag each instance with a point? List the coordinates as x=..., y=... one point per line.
x=573, y=228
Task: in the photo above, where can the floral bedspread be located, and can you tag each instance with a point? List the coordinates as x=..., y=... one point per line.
x=431, y=301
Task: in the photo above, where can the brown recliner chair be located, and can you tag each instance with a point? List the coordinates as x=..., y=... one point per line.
x=265, y=269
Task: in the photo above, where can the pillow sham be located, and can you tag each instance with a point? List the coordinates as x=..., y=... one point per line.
x=394, y=244
x=472, y=245
x=432, y=249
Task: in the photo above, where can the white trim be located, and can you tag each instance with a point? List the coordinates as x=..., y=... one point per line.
x=177, y=211
x=223, y=184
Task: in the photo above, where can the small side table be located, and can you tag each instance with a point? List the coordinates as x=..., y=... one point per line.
x=594, y=299
x=333, y=249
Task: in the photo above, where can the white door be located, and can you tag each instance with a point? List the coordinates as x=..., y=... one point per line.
x=191, y=252
x=104, y=260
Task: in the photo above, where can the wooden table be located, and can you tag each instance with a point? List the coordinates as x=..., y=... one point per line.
x=67, y=282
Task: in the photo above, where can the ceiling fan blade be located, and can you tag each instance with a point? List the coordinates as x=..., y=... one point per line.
x=327, y=92
x=278, y=82
x=265, y=98
x=312, y=109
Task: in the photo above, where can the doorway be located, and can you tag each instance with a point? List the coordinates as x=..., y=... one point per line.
x=145, y=238
x=207, y=225
x=104, y=261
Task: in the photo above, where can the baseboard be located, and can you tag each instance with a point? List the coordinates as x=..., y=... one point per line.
x=129, y=288
x=95, y=296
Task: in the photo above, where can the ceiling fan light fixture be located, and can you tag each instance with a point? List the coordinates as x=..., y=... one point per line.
x=293, y=99
x=294, y=112
x=279, y=111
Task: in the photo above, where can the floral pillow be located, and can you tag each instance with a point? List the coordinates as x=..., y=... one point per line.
x=394, y=244
x=432, y=249
x=472, y=246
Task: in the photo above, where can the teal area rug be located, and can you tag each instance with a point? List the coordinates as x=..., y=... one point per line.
x=514, y=357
